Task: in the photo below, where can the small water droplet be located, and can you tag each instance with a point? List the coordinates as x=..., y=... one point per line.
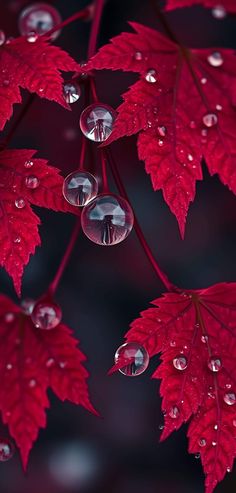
x=203, y=80
x=32, y=37
x=214, y=443
x=172, y=343
x=2, y=37
x=228, y=469
x=151, y=75
x=204, y=339
x=202, y=442
x=161, y=427
x=62, y=364
x=215, y=59
x=218, y=107
x=214, y=364
x=180, y=362
x=234, y=422
x=160, y=142
x=29, y=163
x=32, y=383
x=162, y=130
x=6, y=82
x=215, y=427
x=50, y=362
x=138, y=56
x=210, y=119
x=219, y=12
x=20, y=203
x=9, y=366
x=190, y=157
x=17, y=239
x=230, y=398
x=192, y=124
x=27, y=306
x=9, y=317
x=72, y=92
x=228, y=385
x=174, y=412
x=32, y=182
x=197, y=456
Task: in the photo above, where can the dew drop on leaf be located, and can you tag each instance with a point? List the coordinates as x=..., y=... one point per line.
x=7, y=449
x=32, y=182
x=29, y=163
x=162, y=130
x=151, y=75
x=180, y=362
x=71, y=91
x=161, y=427
x=20, y=203
x=230, y=398
x=50, y=362
x=160, y=142
x=214, y=443
x=174, y=412
x=210, y=119
x=32, y=37
x=218, y=107
x=204, y=339
x=2, y=37
x=215, y=59
x=202, y=442
x=203, y=80
x=96, y=122
x=135, y=358
x=39, y=18
x=79, y=188
x=17, y=239
x=46, y=315
x=107, y=220
x=27, y=306
x=214, y=364
x=138, y=56
x=9, y=317
x=219, y=12
x=197, y=456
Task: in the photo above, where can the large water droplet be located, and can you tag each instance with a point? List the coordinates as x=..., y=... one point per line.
x=135, y=358
x=39, y=18
x=214, y=364
x=215, y=59
x=151, y=75
x=210, y=119
x=174, y=412
x=180, y=362
x=46, y=315
x=230, y=398
x=72, y=92
x=219, y=12
x=97, y=121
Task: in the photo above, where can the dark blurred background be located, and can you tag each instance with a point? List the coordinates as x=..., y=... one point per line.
x=104, y=289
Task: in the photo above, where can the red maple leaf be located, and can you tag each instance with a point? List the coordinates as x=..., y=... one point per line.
x=187, y=114
x=31, y=361
x=19, y=171
x=195, y=332
x=34, y=66
x=228, y=5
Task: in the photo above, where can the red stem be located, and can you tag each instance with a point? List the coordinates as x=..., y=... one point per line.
x=82, y=153
x=105, y=186
x=65, y=259
x=117, y=178
x=81, y=14
x=99, y=4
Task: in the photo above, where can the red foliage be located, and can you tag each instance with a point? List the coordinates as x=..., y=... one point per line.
x=170, y=113
x=33, y=66
x=229, y=5
x=31, y=361
x=19, y=226
x=194, y=330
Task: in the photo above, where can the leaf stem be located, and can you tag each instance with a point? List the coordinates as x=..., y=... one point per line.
x=138, y=230
x=99, y=4
x=81, y=14
x=65, y=259
x=105, y=185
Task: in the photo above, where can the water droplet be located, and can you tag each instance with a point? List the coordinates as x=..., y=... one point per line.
x=39, y=18
x=9, y=317
x=9, y=366
x=2, y=37
x=32, y=383
x=228, y=385
x=180, y=362
x=29, y=163
x=50, y=362
x=161, y=427
x=96, y=122
x=162, y=131
x=210, y=119
x=138, y=56
x=62, y=364
x=32, y=37
x=160, y=142
x=46, y=315
x=17, y=239
x=32, y=182
x=215, y=427
x=197, y=456
x=133, y=359
x=174, y=412
x=228, y=469
x=214, y=364
x=7, y=449
x=27, y=306
x=218, y=107
x=230, y=398
x=107, y=220
x=214, y=443
x=190, y=157
x=202, y=442
x=204, y=339
x=219, y=12
x=215, y=59
x=203, y=80
x=151, y=75
x=72, y=92
x=20, y=203
x=79, y=188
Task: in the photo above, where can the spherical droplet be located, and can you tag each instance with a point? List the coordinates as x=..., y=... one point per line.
x=9, y=317
x=27, y=306
x=39, y=18
x=72, y=92
x=32, y=37
x=32, y=182
x=17, y=239
x=7, y=449
x=151, y=75
x=96, y=122
x=197, y=456
x=230, y=398
x=214, y=443
x=107, y=220
x=228, y=469
x=2, y=37
x=204, y=339
x=162, y=130
x=134, y=357
x=214, y=364
x=29, y=163
x=46, y=315
x=161, y=427
x=20, y=203
x=219, y=12
x=138, y=56
x=79, y=188
x=174, y=412
x=215, y=427
x=215, y=59
x=210, y=119
x=202, y=442
x=180, y=362
x=50, y=362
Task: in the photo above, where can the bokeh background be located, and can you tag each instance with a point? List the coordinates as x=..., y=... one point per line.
x=104, y=289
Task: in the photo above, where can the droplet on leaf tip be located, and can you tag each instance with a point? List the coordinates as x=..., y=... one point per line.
x=135, y=358
x=219, y=12
x=72, y=92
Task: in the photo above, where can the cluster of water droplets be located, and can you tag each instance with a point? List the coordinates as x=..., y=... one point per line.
x=31, y=182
